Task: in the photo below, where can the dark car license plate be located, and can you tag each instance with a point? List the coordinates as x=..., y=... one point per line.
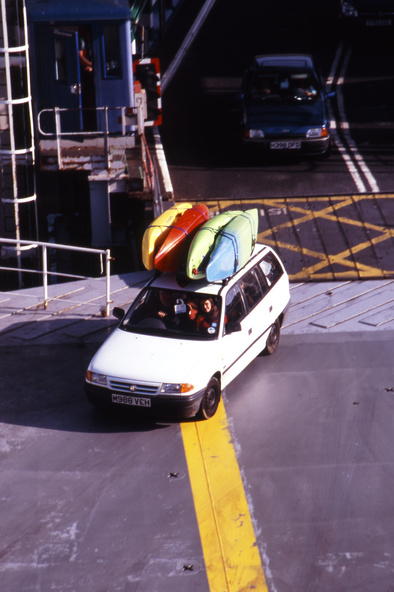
x=130, y=400
x=286, y=145
x=378, y=23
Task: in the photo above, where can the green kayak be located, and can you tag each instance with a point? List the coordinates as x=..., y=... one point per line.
x=204, y=242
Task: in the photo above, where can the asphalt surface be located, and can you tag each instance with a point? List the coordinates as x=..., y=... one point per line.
x=95, y=501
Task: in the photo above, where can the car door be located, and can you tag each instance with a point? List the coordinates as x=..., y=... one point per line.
x=246, y=333
x=235, y=338
x=260, y=315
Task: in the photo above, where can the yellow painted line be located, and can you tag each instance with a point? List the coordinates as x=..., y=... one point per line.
x=231, y=554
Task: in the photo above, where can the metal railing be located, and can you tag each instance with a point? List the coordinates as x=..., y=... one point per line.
x=129, y=118
x=22, y=245
x=132, y=118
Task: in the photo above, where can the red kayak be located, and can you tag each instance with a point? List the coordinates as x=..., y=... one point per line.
x=174, y=250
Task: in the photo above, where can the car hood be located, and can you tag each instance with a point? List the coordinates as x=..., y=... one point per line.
x=153, y=359
x=289, y=117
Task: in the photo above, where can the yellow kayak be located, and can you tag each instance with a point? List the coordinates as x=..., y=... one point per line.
x=157, y=231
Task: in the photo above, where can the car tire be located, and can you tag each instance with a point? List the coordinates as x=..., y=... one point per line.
x=273, y=339
x=210, y=400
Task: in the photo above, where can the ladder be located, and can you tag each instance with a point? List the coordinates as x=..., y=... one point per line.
x=18, y=217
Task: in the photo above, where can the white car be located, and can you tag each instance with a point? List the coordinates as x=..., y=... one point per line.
x=181, y=343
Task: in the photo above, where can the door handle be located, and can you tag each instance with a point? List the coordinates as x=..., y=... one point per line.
x=270, y=309
x=250, y=330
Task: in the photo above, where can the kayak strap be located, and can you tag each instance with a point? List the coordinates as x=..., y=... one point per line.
x=235, y=247
x=168, y=226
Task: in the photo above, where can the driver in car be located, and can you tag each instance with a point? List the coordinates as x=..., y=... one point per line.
x=166, y=305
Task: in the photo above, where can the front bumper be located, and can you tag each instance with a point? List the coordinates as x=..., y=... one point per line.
x=182, y=406
x=371, y=21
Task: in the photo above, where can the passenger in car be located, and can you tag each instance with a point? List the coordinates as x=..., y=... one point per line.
x=207, y=321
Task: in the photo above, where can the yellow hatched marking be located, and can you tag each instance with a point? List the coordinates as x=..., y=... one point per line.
x=354, y=269
x=231, y=555
x=340, y=258
x=308, y=215
x=324, y=214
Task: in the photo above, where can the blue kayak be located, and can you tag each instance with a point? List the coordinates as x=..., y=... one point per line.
x=234, y=246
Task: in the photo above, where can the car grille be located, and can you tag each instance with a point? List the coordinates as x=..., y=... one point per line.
x=136, y=388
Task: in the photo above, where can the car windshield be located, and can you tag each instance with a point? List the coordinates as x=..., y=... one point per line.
x=279, y=87
x=174, y=313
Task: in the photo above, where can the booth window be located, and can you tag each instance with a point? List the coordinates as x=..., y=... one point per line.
x=111, y=52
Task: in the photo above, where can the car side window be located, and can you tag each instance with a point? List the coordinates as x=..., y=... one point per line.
x=271, y=269
x=252, y=288
x=235, y=310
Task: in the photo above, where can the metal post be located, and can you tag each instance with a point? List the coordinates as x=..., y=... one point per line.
x=108, y=276
x=106, y=136
x=45, y=275
x=58, y=134
x=123, y=117
x=31, y=116
x=157, y=197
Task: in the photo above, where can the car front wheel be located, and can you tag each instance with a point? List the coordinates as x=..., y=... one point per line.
x=210, y=400
x=273, y=339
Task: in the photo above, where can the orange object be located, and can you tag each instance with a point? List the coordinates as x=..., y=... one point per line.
x=174, y=250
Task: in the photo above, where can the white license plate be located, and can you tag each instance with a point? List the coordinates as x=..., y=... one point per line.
x=131, y=400
x=286, y=145
x=378, y=23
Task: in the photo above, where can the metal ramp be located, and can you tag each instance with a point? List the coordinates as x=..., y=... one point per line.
x=76, y=311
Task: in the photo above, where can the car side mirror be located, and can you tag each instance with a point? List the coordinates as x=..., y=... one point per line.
x=118, y=312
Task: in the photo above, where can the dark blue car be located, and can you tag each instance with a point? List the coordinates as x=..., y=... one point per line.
x=284, y=105
x=372, y=14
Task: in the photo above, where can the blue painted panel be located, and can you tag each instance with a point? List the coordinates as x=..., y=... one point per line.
x=77, y=10
x=110, y=80
x=116, y=91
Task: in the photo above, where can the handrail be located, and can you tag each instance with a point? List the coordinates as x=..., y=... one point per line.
x=45, y=273
x=147, y=163
x=126, y=121
x=128, y=118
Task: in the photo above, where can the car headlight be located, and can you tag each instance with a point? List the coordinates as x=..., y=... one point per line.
x=317, y=132
x=173, y=388
x=349, y=10
x=254, y=133
x=96, y=378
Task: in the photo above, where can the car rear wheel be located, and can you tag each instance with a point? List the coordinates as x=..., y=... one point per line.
x=210, y=400
x=273, y=339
